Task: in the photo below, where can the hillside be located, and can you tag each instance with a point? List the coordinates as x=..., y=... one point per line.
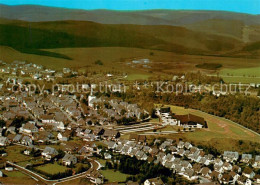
x=148, y=17
x=30, y=36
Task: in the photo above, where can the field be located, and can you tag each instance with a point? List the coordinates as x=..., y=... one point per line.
x=117, y=59
x=221, y=133
x=113, y=176
x=52, y=168
x=14, y=154
x=243, y=75
x=16, y=177
x=217, y=127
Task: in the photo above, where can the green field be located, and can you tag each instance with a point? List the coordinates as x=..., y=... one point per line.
x=137, y=77
x=14, y=154
x=14, y=174
x=52, y=168
x=117, y=59
x=221, y=134
x=242, y=72
x=113, y=176
x=217, y=127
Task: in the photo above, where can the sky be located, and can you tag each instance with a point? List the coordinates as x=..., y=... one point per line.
x=243, y=6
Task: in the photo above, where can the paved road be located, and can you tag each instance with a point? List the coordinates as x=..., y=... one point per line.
x=94, y=166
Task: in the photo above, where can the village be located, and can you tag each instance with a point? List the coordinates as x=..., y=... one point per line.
x=76, y=132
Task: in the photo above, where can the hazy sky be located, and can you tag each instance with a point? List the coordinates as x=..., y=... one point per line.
x=245, y=6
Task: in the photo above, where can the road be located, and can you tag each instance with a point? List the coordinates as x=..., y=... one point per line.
x=94, y=166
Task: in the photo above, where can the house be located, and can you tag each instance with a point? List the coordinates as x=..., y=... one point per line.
x=140, y=155
x=204, y=161
x=69, y=159
x=154, y=181
x=63, y=136
x=26, y=140
x=181, y=144
x=169, y=165
x=219, y=168
x=179, y=169
x=111, y=145
x=28, y=128
x=43, y=136
x=218, y=162
x=181, y=152
x=61, y=126
x=107, y=156
x=205, y=172
x=11, y=130
x=215, y=176
x=17, y=138
x=3, y=141
x=246, y=158
x=257, y=162
x=49, y=153
x=189, y=174
x=197, y=167
x=26, y=152
x=230, y=156
x=234, y=176
x=111, y=134
x=226, y=179
x=137, y=138
x=227, y=166
x=186, y=164
x=236, y=169
x=95, y=177
x=191, y=121
x=249, y=173
x=187, y=145
x=244, y=180
x=98, y=131
x=257, y=179
x=169, y=158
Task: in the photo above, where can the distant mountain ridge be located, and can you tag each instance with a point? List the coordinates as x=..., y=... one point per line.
x=36, y=13
x=32, y=28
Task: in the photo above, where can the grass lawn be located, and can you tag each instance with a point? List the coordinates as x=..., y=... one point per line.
x=113, y=176
x=221, y=133
x=52, y=168
x=14, y=154
x=102, y=162
x=235, y=79
x=14, y=174
x=137, y=77
x=255, y=71
x=35, y=160
x=156, y=120
x=217, y=127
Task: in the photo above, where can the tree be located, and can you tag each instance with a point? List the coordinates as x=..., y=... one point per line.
x=99, y=62
x=2, y=123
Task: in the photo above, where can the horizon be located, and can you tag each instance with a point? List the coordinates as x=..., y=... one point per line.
x=244, y=6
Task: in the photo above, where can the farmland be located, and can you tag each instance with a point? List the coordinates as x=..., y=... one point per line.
x=118, y=59
x=221, y=133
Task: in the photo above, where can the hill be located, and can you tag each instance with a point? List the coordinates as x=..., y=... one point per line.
x=29, y=37
x=148, y=17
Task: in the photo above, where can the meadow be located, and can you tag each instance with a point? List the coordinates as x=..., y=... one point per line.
x=221, y=133
x=114, y=176
x=118, y=59
x=217, y=127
